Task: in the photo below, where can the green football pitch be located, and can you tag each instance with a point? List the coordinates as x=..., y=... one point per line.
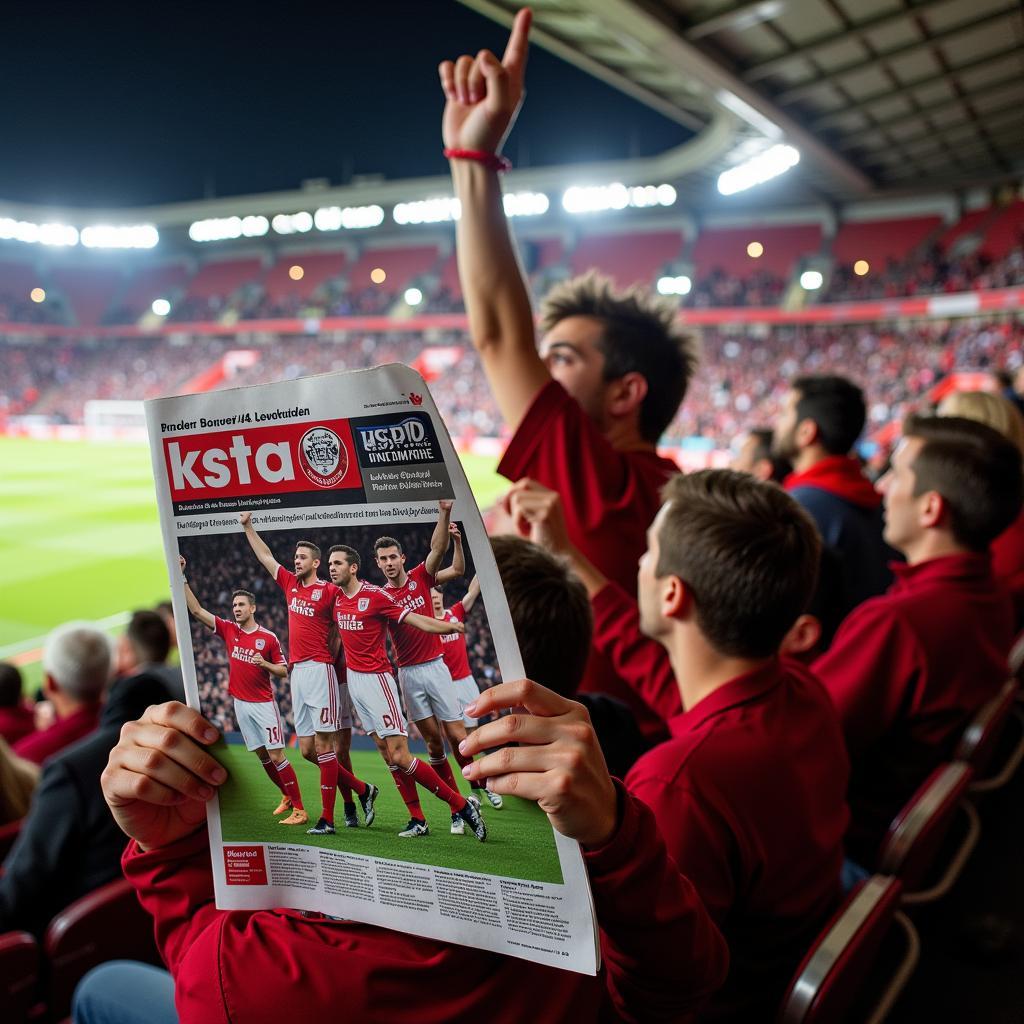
x=79, y=537
x=520, y=843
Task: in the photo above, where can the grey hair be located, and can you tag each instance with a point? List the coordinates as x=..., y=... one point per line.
x=79, y=658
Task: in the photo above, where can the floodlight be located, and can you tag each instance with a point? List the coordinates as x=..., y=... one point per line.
x=679, y=285
x=428, y=211
x=767, y=165
x=37, y=295
x=811, y=280
x=296, y=273
x=161, y=307
x=413, y=296
x=378, y=275
x=525, y=204
x=120, y=236
x=861, y=267
x=755, y=250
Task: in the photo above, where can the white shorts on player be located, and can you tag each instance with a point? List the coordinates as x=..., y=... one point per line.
x=467, y=691
x=259, y=722
x=346, y=713
x=315, y=697
x=429, y=690
x=375, y=696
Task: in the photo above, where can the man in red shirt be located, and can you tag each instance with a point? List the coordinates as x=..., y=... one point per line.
x=254, y=655
x=362, y=614
x=587, y=410
x=749, y=792
x=661, y=954
x=77, y=666
x=430, y=695
x=314, y=681
x=908, y=669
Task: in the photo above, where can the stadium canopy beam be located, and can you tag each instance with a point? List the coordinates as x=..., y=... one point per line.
x=765, y=69
x=655, y=32
x=836, y=116
x=737, y=18
x=849, y=141
x=963, y=134
x=798, y=92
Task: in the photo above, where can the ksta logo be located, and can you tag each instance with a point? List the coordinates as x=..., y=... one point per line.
x=414, y=398
x=323, y=457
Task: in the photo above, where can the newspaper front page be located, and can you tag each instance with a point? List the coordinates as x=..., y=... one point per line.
x=361, y=460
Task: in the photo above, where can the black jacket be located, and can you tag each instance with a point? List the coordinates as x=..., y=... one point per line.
x=69, y=844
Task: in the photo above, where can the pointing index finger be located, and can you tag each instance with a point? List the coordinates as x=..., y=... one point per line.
x=514, y=58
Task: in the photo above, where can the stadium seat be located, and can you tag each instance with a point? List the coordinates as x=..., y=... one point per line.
x=981, y=740
x=8, y=833
x=108, y=924
x=839, y=978
x=19, y=973
x=917, y=836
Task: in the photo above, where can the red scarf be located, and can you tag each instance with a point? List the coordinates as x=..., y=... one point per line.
x=840, y=475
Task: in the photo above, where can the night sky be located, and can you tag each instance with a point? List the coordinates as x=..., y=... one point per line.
x=117, y=104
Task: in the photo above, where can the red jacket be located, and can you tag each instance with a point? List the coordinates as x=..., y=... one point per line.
x=16, y=722
x=1008, y=563
x=38, y=746
x=749, y=794
x=906, y=671
x=662, y=954
x=610, y=497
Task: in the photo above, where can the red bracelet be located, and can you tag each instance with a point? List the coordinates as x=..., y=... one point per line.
x=492, y=161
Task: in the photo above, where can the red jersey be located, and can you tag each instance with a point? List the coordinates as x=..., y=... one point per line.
x=413, y=646
x=610, y=497
x=361, y=620
x=247, y=681
x=453, y=645
x=310, y=610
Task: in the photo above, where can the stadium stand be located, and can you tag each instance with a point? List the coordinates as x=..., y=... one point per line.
x=89, y=291
x=166, y=281
x=627, y=259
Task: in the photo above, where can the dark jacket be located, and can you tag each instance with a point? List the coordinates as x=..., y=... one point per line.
x=69, y=844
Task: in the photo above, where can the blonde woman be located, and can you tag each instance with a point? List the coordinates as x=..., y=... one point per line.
x=18, y=779
x=999, y=413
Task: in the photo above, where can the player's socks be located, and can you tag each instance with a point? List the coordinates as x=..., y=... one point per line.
x=328, y=783
x=461, y=760
x=289, y=783
x=271, y=769
x=345, y=765
x=444, y=771
x=425, y=776
x=348, y=783
x=407, y=791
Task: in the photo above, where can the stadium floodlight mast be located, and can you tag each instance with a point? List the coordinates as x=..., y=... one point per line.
x=759, y=169
x=679, y=285
x=120, y=236
x=38, y=234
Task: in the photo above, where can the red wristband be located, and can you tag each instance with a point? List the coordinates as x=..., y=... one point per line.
x=492, y=161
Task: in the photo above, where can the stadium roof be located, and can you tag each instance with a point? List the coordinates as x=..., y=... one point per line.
x=878, y=95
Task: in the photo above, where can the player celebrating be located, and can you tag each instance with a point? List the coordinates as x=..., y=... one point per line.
x=362, y=613
x=313, y=678
x=254, y=655
x=456, y=659
x=426, y=682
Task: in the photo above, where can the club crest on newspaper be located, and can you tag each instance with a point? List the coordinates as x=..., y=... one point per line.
x=316, y=595
x=363, y=603
x=323, y=457
x=260, y=644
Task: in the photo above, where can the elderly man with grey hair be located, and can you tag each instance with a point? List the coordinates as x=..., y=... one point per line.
x=77, y=666
x=69, y=843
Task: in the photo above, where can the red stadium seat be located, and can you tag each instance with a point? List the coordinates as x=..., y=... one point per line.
x=19, y=973
x=917, y=836
x=839, y=979
x=982, y=738
x=8, y=833
x=108, y=924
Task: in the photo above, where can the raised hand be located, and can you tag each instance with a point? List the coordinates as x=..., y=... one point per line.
x=445, y=504
x=244, y=517
x=181, y=563
x=456, y=533
x=159, y=777
x=557, y=761
x=537, y=513
x=483, y=94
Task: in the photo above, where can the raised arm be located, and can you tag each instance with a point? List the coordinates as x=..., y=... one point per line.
x=197, y=610
x=471, y=594
x=457, y=569
x=482, y=98
x=258, y=544
x=431, y=625
x=439, y=538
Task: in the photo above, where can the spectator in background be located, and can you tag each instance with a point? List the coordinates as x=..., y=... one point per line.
x=551, y=614
x=1000, y=414
x=821, y=420
x=18, y=779
x=754, y=455
x=908, y=669
x=166, y=612
x=76, y=671
x=589, y=408
x=69, y=843
x=142, y=649
x=16, y=718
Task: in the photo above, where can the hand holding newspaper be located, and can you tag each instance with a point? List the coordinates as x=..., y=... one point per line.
x=321, y=537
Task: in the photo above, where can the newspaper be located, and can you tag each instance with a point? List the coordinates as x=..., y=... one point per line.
x=346, y=459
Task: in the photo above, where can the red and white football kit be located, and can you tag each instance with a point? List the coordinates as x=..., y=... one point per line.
x=426, y=681
x=456, y=658
x=313, y=678
x=362, y=622
x=256, y=711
